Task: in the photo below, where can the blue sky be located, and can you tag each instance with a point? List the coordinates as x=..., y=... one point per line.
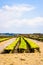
x=21, y=16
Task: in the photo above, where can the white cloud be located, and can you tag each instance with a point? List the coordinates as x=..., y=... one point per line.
x=19, y=22
x=34, y=21
x=18, y=8
x=11, y=16
x=15, y=10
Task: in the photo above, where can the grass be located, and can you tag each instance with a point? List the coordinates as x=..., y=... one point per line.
x=41, y=39
x=31, y=43
x=22, y=44
x=3, y=39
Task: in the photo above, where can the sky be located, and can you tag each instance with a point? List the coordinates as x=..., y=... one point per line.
x=21, y=16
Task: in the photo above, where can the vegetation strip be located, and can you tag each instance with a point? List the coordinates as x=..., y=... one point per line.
x=12, y=45
x=31, y=43
x=22, y=44
x=3, y=39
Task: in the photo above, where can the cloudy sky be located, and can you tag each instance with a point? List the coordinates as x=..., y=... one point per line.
x=21, y=16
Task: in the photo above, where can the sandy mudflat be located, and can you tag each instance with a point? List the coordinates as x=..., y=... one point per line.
x=23, y=58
